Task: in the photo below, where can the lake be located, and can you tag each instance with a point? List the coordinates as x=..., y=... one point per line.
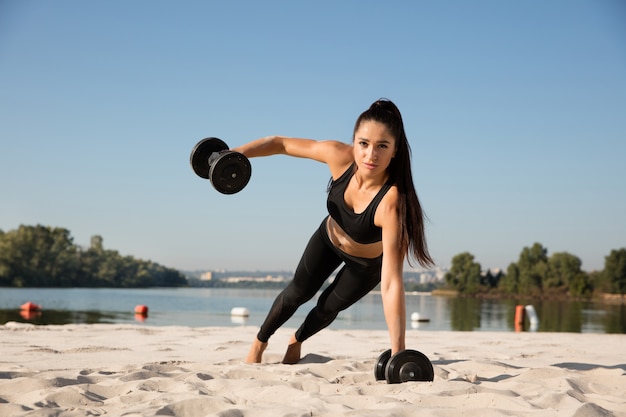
x=203, y=307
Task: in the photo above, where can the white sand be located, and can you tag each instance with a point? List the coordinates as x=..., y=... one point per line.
x=128, y=370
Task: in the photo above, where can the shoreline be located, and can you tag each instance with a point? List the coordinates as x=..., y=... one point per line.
x=132, y=370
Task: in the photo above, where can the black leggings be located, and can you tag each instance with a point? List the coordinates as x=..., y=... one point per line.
x=356, y=278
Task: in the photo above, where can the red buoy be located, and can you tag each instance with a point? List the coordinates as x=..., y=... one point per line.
x=29, y=306
x=520, y=317
x=141, y=309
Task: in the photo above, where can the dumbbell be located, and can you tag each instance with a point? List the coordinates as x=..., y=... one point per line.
x=228, y=171
x=406, y=365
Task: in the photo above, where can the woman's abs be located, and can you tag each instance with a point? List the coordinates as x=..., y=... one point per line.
x=346, y=244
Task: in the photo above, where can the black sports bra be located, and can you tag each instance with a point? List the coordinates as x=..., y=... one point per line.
x=359, y=226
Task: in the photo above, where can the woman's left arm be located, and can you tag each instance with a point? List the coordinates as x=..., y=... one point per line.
x=392, y=284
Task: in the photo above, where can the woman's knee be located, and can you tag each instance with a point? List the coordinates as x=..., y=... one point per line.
x=329, y=304
x=297, y=295
x=346, y=291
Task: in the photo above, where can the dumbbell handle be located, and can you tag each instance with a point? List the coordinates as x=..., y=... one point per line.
x=214, y=156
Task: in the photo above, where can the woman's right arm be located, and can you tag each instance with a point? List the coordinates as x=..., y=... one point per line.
x=269, y=145
x=336, y=155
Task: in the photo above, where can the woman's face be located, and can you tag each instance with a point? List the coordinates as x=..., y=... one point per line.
x=373, y=147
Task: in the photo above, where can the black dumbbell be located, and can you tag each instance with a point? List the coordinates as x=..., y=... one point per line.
x=228, y=171
x=406, y=365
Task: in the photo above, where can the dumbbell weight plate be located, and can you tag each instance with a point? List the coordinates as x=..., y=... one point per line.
x=201, y=153
x=230, y=172
x=409, y=365
x=381, y=365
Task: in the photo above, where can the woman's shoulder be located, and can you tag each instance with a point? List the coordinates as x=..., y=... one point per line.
x=388, y=207
x=391, y=197
x=339, y=150
x=339, y=156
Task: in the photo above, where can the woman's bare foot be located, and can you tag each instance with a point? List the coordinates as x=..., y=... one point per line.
x=292, y=356
x=256, y=351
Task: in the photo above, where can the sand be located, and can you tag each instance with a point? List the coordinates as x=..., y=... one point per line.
x=137, y=370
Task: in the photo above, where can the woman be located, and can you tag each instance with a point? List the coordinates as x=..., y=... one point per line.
x=375, y=220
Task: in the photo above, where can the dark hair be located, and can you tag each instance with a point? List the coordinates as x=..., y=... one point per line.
x=413, y=239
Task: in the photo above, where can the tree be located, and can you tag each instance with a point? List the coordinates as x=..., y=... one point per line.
x=615, y=271
x=96, y=244
x=580, y=285
x=509, y=283
x=565, y=273
x=41, y=256
x=533, y=267
x=464, y=274
x=37, y=256
x=4, y=266
x=526, y=276
x=489, y=280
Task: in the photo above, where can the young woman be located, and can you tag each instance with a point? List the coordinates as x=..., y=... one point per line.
x=375, y=220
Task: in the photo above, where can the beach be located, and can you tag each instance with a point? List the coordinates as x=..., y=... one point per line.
x=137, y=370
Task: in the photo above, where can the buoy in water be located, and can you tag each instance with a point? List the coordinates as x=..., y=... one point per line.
x=520, y=318
x=417, y=318
x=141, y=310
x=240, y=312
x=532, y=317
x=29, y=306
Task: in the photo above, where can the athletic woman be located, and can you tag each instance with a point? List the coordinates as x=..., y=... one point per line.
x=375, y=220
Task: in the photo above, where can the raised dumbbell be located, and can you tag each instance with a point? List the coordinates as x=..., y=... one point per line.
x=228, y=171
x=406, y=365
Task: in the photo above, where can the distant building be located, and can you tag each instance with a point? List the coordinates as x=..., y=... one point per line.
x=267, y=278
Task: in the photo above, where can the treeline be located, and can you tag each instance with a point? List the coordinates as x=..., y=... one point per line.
x=539, y=275
x=42, y=256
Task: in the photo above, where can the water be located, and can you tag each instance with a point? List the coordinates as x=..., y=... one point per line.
x=203, y=307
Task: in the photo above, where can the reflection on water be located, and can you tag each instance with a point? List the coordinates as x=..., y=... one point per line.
x=199, y=307
x=468, y=314
x=61, y=317
x=465, y=313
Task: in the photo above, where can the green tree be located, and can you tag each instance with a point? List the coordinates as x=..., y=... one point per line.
x=533, y=268
x=615, y=271
x=597, y=282
x=96, y=244
x=580, y=285
x=464, y=274
x=4, y=266
x=37, y=256
x=490, y=280
x=565, y=274
x=509, y=283
x=526, y=276
x=111, y=267
x=562, y=267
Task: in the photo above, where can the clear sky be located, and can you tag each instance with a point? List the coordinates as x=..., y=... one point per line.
x=515, y=111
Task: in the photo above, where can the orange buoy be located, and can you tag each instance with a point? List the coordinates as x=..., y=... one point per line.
x=141, y=310
x=29, y=306
x=520, y=317
x=30, y=314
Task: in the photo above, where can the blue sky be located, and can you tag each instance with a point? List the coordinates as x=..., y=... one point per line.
x=515, y=111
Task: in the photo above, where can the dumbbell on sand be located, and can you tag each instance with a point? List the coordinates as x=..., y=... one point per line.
x=406, y=365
